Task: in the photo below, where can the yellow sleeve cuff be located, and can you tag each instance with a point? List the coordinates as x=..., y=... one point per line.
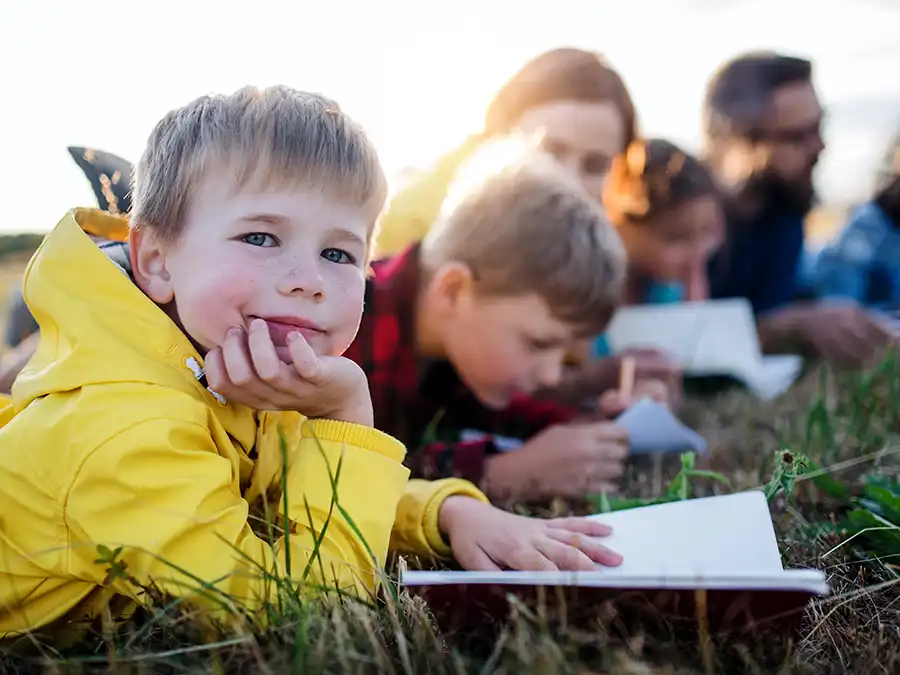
x=416, y=529
x=354, y=434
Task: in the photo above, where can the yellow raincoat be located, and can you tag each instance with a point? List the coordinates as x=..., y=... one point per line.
x=112, y=439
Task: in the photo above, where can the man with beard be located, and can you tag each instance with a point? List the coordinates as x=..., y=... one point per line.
x=763, y=128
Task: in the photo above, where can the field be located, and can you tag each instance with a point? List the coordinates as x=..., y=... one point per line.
x=841, y=515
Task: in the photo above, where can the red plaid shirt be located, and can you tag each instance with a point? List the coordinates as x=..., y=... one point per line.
x=423, y=403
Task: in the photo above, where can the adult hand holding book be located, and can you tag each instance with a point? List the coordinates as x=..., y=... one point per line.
x=838, y=331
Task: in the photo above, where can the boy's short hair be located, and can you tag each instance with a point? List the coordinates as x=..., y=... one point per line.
x=277, y=133
x=524, y=225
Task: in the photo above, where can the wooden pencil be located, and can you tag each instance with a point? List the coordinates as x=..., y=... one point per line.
x=626, y=377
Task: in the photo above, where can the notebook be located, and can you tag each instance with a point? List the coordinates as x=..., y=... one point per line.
x=724, y=546
x=713, y=337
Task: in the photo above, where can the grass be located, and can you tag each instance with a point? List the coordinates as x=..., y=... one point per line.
x=839, y=514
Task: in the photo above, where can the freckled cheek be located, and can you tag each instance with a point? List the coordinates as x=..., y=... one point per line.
x=499, y=361
x=517, y=369
x=211, y=303
x=347, y=291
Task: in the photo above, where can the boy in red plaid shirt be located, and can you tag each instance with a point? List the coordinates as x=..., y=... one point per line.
x=460, y=330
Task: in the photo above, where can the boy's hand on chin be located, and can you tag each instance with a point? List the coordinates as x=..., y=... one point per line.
x=246, y=369
x=484, y=537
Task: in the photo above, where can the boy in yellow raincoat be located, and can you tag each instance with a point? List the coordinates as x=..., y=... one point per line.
x=177, y=353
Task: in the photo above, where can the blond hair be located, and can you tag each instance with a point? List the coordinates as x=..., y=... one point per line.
x=522, y=224
x=274, y=134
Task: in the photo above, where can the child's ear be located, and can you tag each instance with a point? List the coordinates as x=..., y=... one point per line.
x=148, y=264
x=452, y=283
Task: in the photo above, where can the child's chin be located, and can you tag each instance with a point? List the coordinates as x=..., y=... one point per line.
x=494, y=400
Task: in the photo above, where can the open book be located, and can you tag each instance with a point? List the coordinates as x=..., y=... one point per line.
x=724, y=546
x=713, y=337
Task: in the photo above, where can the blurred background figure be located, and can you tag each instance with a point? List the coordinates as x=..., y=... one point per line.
x=862, y=262
x=763, y=138
x=667, y=208
x=573, y=99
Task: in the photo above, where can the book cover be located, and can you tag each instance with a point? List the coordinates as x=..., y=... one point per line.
x=714, y=557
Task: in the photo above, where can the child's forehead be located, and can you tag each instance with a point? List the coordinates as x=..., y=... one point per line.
x=533, y=314
x=259, y=188
x=237, y=175
x=527, y=309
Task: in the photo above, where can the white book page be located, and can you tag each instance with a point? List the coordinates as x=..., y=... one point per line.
x=726, y=538
x=712, y=536
x=715, y=337
x=710, y=337
x=652, y=428
x=777, y=374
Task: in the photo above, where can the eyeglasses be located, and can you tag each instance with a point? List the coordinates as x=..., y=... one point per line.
x=794, y=136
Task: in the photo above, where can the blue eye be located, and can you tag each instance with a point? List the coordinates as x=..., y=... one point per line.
x=338, y=256
x=259, y=239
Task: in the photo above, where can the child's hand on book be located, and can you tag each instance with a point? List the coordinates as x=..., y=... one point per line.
x=247, y=369
x=484, y=537
x=571, y=460
x=614, y=402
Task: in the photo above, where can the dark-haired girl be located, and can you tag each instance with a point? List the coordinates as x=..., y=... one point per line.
x=667, y=209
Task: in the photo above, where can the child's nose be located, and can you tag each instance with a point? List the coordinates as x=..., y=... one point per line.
x=305, y=281
x=550, y=373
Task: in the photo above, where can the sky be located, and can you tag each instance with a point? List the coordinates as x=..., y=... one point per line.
x=417, y=75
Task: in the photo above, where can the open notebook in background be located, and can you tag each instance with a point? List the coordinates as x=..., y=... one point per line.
x=713, y=337
x=723, y=544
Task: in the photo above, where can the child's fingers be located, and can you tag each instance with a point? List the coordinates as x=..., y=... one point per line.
x=306, y=363
x=218, y=380
x=564, y=556
x=608, y=432
x=588, y=547
x=475, y=559
x=236, y=358
x=214, y=367
x=266, y=363
x=612, y=403
x=528, y=557
x=588, y=526
x=655, y=390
